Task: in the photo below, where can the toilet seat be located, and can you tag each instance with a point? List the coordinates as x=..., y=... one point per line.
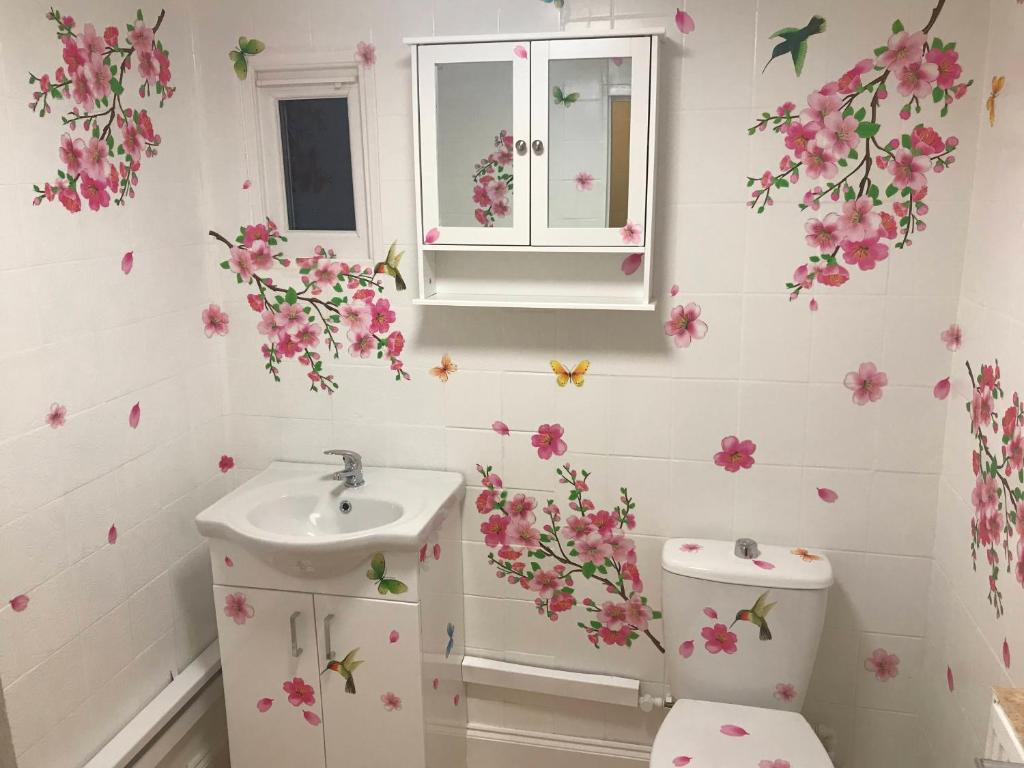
x=716, y=735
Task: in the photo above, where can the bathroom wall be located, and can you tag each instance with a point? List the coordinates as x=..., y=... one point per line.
x=651, y=416
x=106, y=624
x=964, y=634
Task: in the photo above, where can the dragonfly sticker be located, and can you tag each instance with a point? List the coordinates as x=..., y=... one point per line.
x=378, y=573
x=346, y=668
x=451, y=640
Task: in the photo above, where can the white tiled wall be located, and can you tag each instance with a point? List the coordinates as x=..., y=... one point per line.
x=106, y=625
x=963, y=632
x=651, y=416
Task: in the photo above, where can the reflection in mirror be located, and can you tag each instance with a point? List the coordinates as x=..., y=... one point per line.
x=588, y=142
x=474, y=144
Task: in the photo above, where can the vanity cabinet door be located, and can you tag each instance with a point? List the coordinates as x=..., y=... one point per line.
x=590, y=114
x=271, y=679
x=474, y=107
x=372, y=689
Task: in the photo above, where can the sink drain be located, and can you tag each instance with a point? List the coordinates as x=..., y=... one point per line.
x=345, y=507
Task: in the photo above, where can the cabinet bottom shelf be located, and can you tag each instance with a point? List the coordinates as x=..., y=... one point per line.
x=536, y=302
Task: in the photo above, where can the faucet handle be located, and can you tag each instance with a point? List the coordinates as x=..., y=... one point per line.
x=351, y=458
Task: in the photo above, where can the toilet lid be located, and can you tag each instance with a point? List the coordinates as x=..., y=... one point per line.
x=706, y=734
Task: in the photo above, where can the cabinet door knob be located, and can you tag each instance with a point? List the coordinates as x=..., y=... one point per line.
x=538, y=147
x=328, y=651
x=521, y=146
x=296, y=651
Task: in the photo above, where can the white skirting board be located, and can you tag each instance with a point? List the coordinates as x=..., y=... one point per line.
x=605, y=689
x=489, y=745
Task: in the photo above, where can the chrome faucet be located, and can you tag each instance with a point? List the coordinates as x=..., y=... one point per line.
x=352, y=474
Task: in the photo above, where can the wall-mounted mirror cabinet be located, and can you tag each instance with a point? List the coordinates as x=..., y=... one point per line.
x=535, y=169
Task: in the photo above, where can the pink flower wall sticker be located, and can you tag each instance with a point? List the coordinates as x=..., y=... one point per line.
x=828, y=495
x=785, y=692
x=112, y=535
x=584, y=181
x=264, y=705
x=520, y=52
x=104, y=165
x=837, y=142
x=684, y=22
x=546, y=556
x=681, y=760
x=883, y=664
x=778, y=763
x=736, y=454
x=632, y=263
x=215, y=321
x=952, y=337
x=949, y=678
x=134, y=416
x=127, y=262
x=1006, y=653
x=501, y=428
x=866, y=383
x=56, y=416
x=226, y=464
x=493, y=182
x=300, y=693
x=366, y=54
x=311, y=307
x=733, y=730
x=631, y=234
x=548, y=441
x=392, y=703
x=19, y=603
x=998, y=466
x=941, y=389
x=685, y=326
x=237, y=608
x=718, y=639
x=311, y=717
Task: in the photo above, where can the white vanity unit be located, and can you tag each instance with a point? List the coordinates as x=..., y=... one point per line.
x=535, y=158
x=339, y=612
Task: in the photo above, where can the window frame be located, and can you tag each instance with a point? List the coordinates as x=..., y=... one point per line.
x=272, y=80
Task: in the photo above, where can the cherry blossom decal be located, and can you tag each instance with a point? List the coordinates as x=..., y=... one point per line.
x=632, y=263
x=521, y=52
x=883, y=664
x=684, y=325
x=546, y=557
x=548, y=441
x=631, y=234
x=828, y=495
x=127, y=262
x=501, y=428
x=134, y=415
x=949, y=678
x=584, y=181
x=311, y=717
x=736, y=454
x=226, y=464
x=684, y=22
x=391, y=701
x=779, y=763
x=112, y=535
x=300, y=693
x=493, y=182
x=688, y=548
x=295, y=318
x=941, y=389
x=733, y=730
x=718, y=639
x=56, y=416
x=19, y=603
x=237, y=608
x=1006, y=654
x=95, y=77
x=866, y=383
x=998, y=466
x=432, y=236
x=366, y=54
x=215, y=321
x=264, y=705
x=836, y=141
x=785, y=692
x=952, y=337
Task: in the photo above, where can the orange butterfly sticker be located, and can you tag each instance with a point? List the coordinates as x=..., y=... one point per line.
x=446, y=368
x=806, y=556
x=990, y=104
x=563, y=375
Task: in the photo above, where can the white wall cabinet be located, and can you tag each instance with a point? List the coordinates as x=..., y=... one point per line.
x=535, y=169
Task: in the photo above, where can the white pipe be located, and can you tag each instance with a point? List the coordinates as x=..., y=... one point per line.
x=605, y=689
x=155, y=716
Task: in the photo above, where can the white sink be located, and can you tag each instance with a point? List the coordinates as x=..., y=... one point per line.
x=294, y=509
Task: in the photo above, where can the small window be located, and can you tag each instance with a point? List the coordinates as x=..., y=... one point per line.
x=315, y=147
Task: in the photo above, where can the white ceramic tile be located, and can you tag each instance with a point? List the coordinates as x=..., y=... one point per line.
x=695, y=436
x=776, y=339
x=877, y=687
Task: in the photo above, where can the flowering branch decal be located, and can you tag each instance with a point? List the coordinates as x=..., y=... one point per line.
x=93, y=76
x=998, y=479
x=492, y=182
x=590, y=543
x=294, y=319
x=838, y=133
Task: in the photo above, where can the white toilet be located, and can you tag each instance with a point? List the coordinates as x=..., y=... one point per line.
x=742, y=625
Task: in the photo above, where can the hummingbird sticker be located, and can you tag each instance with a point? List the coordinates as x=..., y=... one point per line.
x=346, y=668
x=390, y=266
x=794, y=42
x=757, y=616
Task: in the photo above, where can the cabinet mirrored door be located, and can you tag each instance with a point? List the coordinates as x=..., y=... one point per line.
x=590, y=104
x=474, y=105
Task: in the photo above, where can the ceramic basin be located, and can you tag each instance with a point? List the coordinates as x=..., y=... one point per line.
x=292, y=509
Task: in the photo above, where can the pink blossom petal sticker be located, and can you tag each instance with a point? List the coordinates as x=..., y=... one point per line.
x=112, y=535
x=684, y=22
x=828, y=495
x=264, y=704
x=435, y=683
x=127, y=262
x=813, y=306
x=711, y=613
x=520, y=51
x=632, y=263
x=134, y=415
x=437, y=552
x=311, y=717
x=941, y=389
x=423, y=553
x=681, y=760
x=246, y=184
x=686, y=649
x=764, y=565
x=673, y=291
x=949, y=679
x=733, y=730
x=1006, y=653
x=19, y=603
x=432, y=236
x=229, y=562
x=393, y=637
x=501, y=428
x=456, y=699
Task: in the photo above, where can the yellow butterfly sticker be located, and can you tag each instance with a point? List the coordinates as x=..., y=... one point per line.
x=563, y=376
x=445, y=368
x=990, y=103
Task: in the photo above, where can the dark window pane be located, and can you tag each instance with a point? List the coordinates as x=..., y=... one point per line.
x=317, y=164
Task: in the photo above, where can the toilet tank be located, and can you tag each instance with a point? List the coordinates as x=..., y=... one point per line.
x=742, y=631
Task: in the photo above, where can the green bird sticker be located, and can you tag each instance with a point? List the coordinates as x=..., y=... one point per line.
x=378, y=573
x=390, y=266
x=565, y=99
x=757, y=616
x=794, y=42
x=346, y=668
x=239, y=56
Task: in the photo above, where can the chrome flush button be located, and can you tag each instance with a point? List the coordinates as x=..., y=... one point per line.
x=746, y=549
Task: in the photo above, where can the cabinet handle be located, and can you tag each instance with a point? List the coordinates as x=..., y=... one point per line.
x=538, y=147
x=329, y=652
x=296, y=651
x=521, y=146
